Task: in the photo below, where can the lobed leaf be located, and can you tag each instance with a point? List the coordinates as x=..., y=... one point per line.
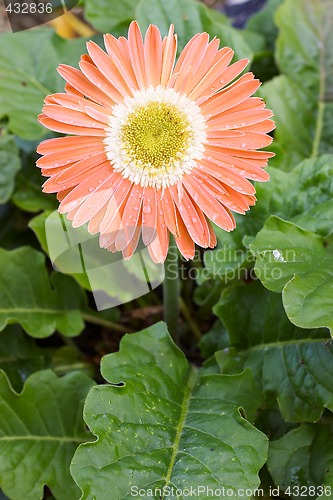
x=39, y=432
x=161, y=423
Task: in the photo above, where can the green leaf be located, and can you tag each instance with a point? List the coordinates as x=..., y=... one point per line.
x=304, y=54
x=29, y=298
x=263, y=22
x=28, y=62
x=303, y=457
x=9, y=166
x=39, y=432
x=190, y=18
x=19, y=356
x=263, y=319
x=110, y=16
x=162, y=423
x=295, y=121
x=296, y=262
x=291, y=365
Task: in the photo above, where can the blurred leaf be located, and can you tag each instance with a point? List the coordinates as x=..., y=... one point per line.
x=295, y=261
x=161, y=423
x=28, y=297
x=19, y=356
x=9, y=166
x=110, y=16
x=39, y=432
x=28, y=62
x=190, y=18
x=302, y=100
x=28, y=195
x=303, y=457
x=295, y=121
x=263, y=22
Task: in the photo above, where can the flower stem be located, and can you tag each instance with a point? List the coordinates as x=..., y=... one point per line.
x=171, y=290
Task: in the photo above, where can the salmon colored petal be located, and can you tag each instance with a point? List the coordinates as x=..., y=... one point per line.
x=136, y=50
x=204, y=68
x=184, y=241
x=65, y=128
x=111, y=221
x=158, y=248
x=236, y=95
x=130, y=217
x=153, y=55
x=189, y=215
x=108, y=68
x=149, y=215
x=205, y=86
x=81, y=83
x=84, y=189
x=79, y=170
x=239, y=119
x=192, y=61
x=169, y=55
x=68, y=156
x=60, y=144
x=120, y=54
x=96, y=200
x=208, y=204
x=93, y=74
x=169, y=210
x=132, y=245
x=245, y=139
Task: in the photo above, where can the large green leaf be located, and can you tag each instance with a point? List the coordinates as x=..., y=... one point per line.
x=305, y=55
x=39, y=432
x=110, y=16
x=296, y=262
x=301, y=462
x=163, y=423
x=28, y=62
x=28, y=297
x=191, y=17
x=292, y=365
x=9, y=166
x=19, y=356
x=303, y=196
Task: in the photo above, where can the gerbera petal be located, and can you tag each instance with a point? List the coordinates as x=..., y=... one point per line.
x=84, y=189
x=60, y=144
x=130, y=217
x=68, y=156
x=120, y=54
x=169, y=55
x=236, y=95
x=189, y=215
x=150, y=206
x=184, y=241
x=136, y=50
x=65, y=128
x=111, y=221
x=208, y=204
x=158, y=248
x=94, y=75
x=191, y=62
x=169, y=210
x=108, y=68
x=83, y=85
x=153, y=55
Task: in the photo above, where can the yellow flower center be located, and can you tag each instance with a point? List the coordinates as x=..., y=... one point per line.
x=156, y=135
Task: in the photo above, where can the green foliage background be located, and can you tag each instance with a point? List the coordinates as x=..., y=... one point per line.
x=250, y=404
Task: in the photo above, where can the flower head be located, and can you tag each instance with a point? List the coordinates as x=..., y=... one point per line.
x=155, y=147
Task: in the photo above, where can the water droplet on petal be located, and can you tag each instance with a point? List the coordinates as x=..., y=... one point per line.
x=135, y=208
x=244, y=145
x=91, y=189
x=146, y=209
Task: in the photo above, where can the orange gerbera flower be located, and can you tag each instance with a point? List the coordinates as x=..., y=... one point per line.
x=155, y=148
